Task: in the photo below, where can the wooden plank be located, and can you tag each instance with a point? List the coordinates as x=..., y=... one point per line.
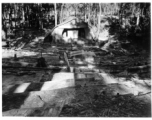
x=19, y=112
x=59, y=80
x=29, y=68
x=66, y=59
x=140, y=67
x=84, y=76
x=57, y=109
x=49, y=111
x=14, y=67
x=75, y=53
x=41, y=103
x=67, y=62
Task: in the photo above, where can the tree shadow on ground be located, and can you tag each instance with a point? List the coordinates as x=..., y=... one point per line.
x=13, y=101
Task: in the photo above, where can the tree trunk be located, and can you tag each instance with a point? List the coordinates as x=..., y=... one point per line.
x=99, y=19
x=40, y=17
x=27, y=15
x=138, y=20
x=3, y=18
x=23, y=15
x=55, y=12
x=61, y=14
x=10, y=17
x=94, y=20
x=85, y=15
x=75, y=11
x=89, y=14
x=15, y=16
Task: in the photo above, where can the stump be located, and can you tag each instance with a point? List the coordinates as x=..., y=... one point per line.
x=41, y=62
x=15, y=57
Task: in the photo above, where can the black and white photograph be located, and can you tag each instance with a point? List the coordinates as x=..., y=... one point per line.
x=89, y=59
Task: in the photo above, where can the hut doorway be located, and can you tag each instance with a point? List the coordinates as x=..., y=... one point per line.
x=73, y=33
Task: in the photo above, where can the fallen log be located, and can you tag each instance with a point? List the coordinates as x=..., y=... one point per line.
x=138, y=68
x=30, y=68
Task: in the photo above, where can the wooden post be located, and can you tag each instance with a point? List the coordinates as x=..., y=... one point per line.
x=67, y=62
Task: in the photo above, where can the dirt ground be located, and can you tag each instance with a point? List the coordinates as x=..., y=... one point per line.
x=113, y=83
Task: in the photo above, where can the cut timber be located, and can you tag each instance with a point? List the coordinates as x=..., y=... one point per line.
x=63, y=76
x=67, y=62
x=79, y=65
x=138, y=68
x=50, y=111
x=75, y=53
x=59, y=81
x=82, y=52
x=66, y=59
x=84, y=75
x=57, y=109
x=29, y=68
x=40, y=103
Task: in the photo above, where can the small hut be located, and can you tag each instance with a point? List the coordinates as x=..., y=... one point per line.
x=71, y=29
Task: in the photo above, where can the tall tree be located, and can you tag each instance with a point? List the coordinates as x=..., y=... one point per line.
x=61, y=13
x=55, y=14
x=99, y=20
x=89, y=12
